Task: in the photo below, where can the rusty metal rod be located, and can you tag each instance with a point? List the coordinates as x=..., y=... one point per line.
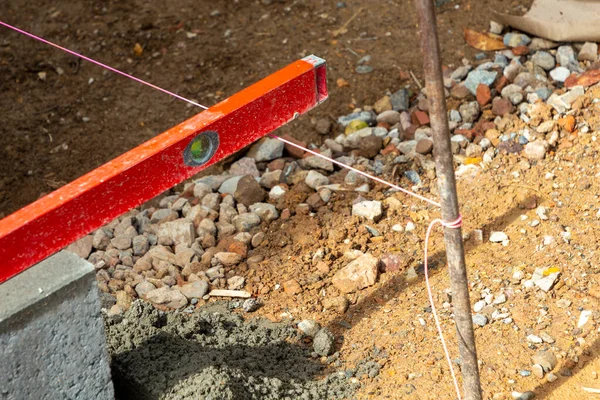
x=455, y=254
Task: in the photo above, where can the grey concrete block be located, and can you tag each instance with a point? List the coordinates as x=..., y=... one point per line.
x=52, y=343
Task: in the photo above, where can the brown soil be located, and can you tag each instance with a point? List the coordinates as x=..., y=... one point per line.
x=44, y=139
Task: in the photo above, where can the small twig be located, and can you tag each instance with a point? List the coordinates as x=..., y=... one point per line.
x=416, y=80
x=343, y=29
x=352, y=51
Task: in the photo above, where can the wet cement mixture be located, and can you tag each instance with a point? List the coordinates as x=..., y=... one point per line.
x=215, y=354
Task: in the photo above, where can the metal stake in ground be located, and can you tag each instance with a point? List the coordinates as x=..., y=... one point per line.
x=449, y=199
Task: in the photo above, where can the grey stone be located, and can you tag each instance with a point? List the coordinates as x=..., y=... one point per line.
x=565, y=55
x=140, y=245
x=244, y=166
x=544, y=60
x=201, y=189
x=469, y=111
x=266, y=149
x=267, y=212
x=461, y=73
x=195, y=289
x=250, y=305
x=212, y=201
x=52, y=341
x=309, y=327
x=479, y=76
x=245, y=222
x=317, y=162
x=323, y=343
x=181, y=231
x=368, y=116
x=230, y=185
x=480, y=320
x=400, y=100
x=315, y=179
x=213, y=181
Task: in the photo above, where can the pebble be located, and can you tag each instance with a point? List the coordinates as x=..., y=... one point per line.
x=228, y=186
x=366, y=116
x=244, y=166
x=498, y=237
x=534, y=339
x=544, y=60
x=479, y=306
x=536, y=150
x=245, y=222
x=315, y=179
x=551, y=377
x=372, y=210
x=195, y=289
x=479, y=76
x=266, y=149
x=560, y=74
x=480, y=320
x=461, y=73
x=250, y=305
x=390, y=117
x=323, y=343
x=588, y=52
x=248, y=191
x=323, y=126
x=400, y=100
x=496, y=28
x=309, y=327
x=143, y=288
x=276, y=192
x=565, y=55
x=546, y=359
x=171, y=298
x=470, y=111
x=523, y=396
x=516, y=39
x=357, y=275
x=267, y=212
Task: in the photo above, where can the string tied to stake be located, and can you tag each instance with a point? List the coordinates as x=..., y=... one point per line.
x=452, y=225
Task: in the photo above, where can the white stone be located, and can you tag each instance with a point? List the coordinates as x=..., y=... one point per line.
x=371, y=210
x=498, y=237
x=560, y=74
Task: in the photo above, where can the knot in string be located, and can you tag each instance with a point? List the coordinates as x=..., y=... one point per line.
x=453, y=225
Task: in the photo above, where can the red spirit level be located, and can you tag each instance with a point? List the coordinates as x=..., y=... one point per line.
x=67, y=214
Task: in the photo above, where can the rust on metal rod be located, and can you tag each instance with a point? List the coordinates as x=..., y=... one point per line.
x=449, y=200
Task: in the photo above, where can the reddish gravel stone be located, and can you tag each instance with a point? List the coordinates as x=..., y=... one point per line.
x=520, y=50
x=294, y=151
x=501, y=106
x=483, y=94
